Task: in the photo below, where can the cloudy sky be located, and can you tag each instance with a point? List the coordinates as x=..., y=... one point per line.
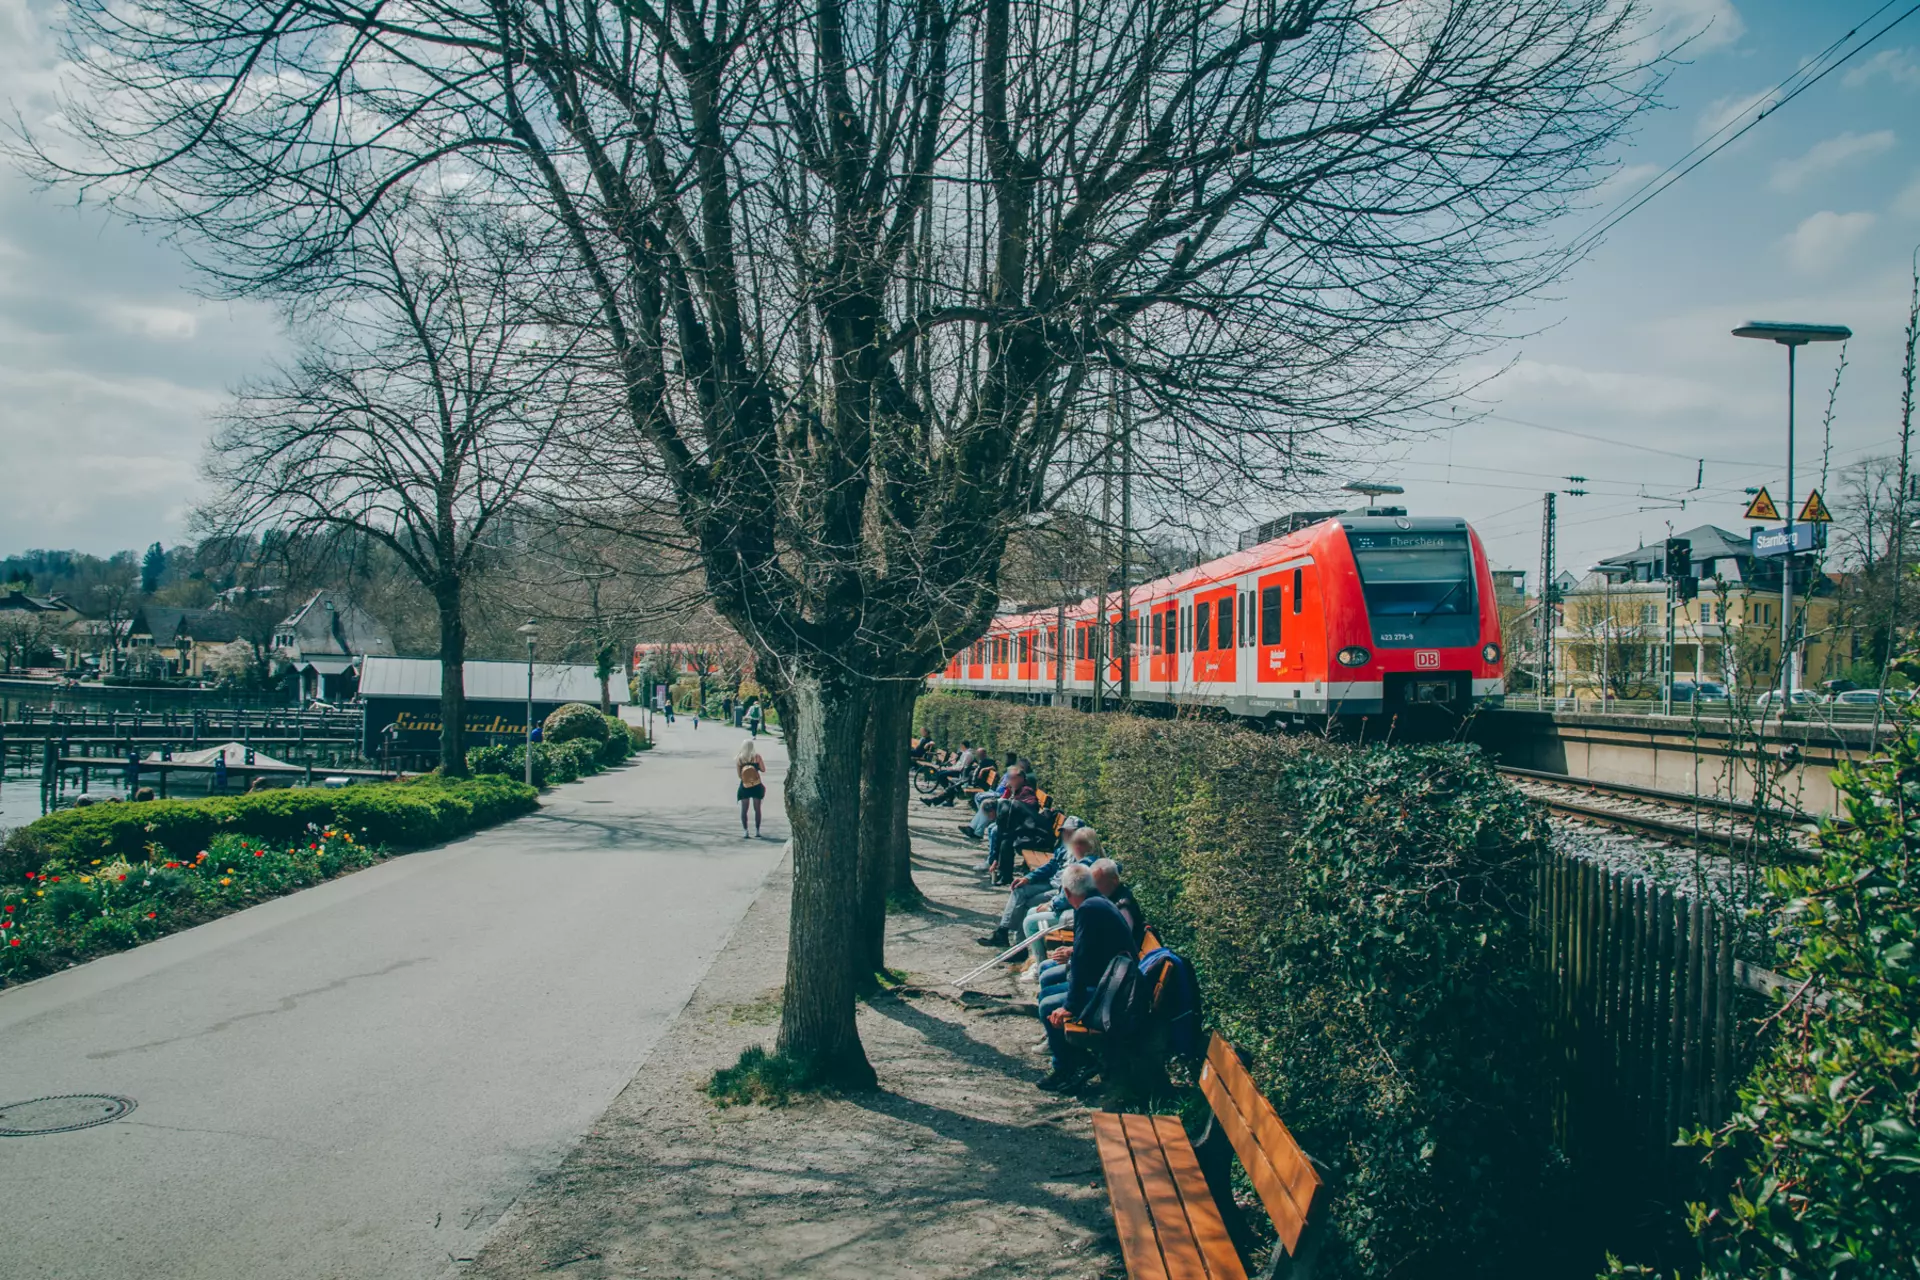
x=110, y=365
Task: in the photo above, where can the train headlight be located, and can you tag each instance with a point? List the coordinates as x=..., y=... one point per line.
x=1353, y=656
x=1491, y=652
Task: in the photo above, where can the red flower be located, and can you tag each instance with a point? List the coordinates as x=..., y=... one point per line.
x=13, y=942
x=31, y=876
x=259, y=853
x=6, y=924
x=152, y=914
x=123, y=877
x=9, y=908
x=53, y=879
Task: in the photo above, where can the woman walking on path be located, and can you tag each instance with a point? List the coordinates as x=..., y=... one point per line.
x=753, y=785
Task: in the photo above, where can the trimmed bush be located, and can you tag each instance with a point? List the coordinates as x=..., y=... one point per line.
x=620, y=743
x=1358, y=921
x=574, y=720
x=419, y=811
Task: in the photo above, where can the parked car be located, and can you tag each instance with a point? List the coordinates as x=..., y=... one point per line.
x=1699, y=691
x=1770, y=700
x=1869, y=697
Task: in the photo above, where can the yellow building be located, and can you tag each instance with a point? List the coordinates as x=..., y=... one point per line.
x=1612, y=627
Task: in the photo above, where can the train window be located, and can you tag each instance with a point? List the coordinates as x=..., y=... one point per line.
x=1026, y=648
x=1202, y=626
x=1157, y=634
x=1223, y=625
x=1297, y=593
x=1270, y=615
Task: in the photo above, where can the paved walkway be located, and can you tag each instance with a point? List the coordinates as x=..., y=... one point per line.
x=357, y=1080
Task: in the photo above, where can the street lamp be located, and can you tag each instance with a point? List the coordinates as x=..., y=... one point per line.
x=1792, y=337
x=530, y=630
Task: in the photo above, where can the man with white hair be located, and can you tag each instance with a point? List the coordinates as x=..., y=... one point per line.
x=1038, y=886
x=1100, y=933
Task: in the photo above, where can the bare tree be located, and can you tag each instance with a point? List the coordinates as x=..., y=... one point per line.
x=867, y=277
x=416, y=416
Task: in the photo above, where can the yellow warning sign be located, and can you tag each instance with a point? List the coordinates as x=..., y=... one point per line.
x=1815, y=511
x=1762, y=508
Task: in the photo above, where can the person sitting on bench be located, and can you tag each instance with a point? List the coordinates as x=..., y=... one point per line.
x=978, y=827
x=1037, y=886
x=1100, y=933
x=1084, y=843
x=1106, y=878
x=1018, y=818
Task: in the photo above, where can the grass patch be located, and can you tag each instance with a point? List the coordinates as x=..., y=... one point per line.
x=906, y=901
x=760, y=1079
x=759, y=1012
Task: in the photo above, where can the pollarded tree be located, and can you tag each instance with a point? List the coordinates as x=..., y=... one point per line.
x=417, y=415
x=861, y=274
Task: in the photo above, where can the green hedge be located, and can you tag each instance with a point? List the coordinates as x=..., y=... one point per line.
x=1358, y=921
x=408, y=814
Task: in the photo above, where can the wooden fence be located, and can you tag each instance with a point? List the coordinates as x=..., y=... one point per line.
x=1652, y=1022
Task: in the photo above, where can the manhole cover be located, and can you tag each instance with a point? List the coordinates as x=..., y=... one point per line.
x=61, y=1114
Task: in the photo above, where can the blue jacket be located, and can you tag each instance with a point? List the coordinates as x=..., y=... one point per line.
x=1100, y=933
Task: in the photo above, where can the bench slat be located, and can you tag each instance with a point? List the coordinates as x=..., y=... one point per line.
x=1138, y=1243
x=1178, y=1249
x=1276, y=1140
x=1275, y=1165
x=1203, y=1216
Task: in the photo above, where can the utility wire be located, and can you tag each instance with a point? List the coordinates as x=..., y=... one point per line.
x=1774, y=99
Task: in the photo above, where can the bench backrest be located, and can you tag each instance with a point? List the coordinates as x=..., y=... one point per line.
x=1275, y=1164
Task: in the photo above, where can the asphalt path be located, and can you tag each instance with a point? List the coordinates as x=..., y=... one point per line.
x=358, y=1079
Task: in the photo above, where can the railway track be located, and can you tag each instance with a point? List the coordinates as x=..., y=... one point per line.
x=1700, y=821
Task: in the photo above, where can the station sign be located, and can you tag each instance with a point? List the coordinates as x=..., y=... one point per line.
x=1774, y=542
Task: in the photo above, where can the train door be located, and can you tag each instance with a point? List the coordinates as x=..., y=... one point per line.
x=977, y=660
x=1083, y=653
x=1162, y=634
x=1285, y=641
x=1051, y=646
x=1214, y=638
x=997, y=665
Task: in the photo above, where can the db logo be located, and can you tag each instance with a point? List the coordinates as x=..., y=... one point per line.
x=1426, y=659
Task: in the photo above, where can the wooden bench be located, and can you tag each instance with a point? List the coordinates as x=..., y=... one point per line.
x=1167, y=1192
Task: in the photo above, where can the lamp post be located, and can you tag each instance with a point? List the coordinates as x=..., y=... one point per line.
x=530, y=630
x=1792, y=337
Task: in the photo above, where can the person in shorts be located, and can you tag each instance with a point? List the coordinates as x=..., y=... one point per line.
x=752, y=770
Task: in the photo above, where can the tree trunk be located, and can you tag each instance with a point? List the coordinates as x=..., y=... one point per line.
x=453, y=683
x=886, y=871
x=824, y=720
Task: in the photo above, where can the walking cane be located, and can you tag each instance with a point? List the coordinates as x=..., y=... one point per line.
x=1002, y=958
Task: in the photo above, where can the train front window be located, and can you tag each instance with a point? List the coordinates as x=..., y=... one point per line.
x=1415, y=575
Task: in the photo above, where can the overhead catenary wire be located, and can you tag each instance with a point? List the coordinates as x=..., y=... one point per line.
x=1803, y=78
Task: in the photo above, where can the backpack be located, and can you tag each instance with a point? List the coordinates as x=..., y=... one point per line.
x=749, y=776
x=1111, y=1011
x=1178, y=1007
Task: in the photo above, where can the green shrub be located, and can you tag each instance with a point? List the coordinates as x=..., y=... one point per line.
x=418, y=811
x=619, y=744
x=1826, y=1138
x=637, y=735
x=1358, y=921
x=574, y=720
x=69, y=911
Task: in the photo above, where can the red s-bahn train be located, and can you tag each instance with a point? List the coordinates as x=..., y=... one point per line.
x=1368, y=613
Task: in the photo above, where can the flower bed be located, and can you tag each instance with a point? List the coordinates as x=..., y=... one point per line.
x=67, y=912
x=408, y=814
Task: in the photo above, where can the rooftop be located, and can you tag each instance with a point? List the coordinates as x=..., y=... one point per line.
x=382, y=677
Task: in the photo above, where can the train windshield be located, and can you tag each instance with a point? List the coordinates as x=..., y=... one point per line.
x=1415, y=574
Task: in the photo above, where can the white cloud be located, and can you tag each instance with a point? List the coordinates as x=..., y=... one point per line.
x=1722, y=112
x=1907, y=203
x=1897, y=66
x=1701, y=24
x=1820, y=242
x=1826, y=156
x=163, y=324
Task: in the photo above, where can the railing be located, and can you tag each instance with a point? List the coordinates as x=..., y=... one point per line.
x=1840, y=713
